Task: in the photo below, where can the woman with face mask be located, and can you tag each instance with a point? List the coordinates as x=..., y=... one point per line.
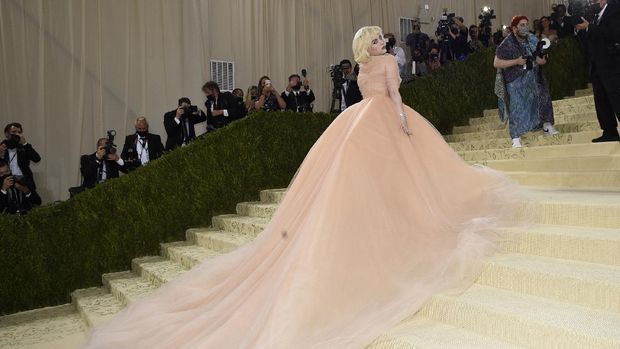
x=524, y=98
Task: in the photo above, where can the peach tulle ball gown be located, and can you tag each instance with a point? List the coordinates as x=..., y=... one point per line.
x=374, y=223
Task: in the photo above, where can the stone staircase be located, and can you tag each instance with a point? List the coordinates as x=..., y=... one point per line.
x=554, y=284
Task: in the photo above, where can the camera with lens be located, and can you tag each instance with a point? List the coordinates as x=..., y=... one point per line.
x=485, y=17
x=189, y=110
x=110, y=147
x=12, y=141
x=389, y=45
x=335, y=72
x=443, y=25
x=542, y=51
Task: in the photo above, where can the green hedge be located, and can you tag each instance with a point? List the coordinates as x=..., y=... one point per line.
x=463, y=90
x=56, y=249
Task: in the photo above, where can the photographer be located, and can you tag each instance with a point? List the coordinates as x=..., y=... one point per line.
x=222, y=107
x=18, y=153
x=102, y=165
x=474, y=44
x=268, y=97
x=603, y=41
x=458, y=32
x=16, y=197
x=297, y=100
x=418, y=41
x=350, y=91
x=522, y=90
x=141, y=147
x=397, y=51
x=562, y=23
x=179, y=123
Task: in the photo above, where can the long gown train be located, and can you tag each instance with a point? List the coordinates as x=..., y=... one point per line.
x=374, y=223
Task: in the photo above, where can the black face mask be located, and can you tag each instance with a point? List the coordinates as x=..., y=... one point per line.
x=142, y=133
x=297, y=87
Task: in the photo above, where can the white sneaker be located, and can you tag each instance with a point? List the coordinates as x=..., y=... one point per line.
x=516, y=143
x=549, y=129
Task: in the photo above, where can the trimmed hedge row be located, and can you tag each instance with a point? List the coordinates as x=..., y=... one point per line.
x=56, y=249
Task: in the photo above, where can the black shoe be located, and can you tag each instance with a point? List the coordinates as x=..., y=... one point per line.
x=606, y=138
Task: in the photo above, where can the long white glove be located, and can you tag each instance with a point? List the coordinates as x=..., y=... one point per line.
x=404, y=125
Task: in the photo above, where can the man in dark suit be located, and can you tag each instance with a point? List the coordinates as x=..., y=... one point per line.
x=18, y=153
x=222, y=107
x=297, y=100
x=15, y=196
x=562, y=23
x=350, y=90
x=603, y=42
x=179, y=123
x=141, y=147
x=100, y=166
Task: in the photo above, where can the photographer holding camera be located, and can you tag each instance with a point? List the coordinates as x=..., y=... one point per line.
x=222, y=107
x=603, y=41
x=397, y=51
x=297, y=100
x=102, y=165
x=521, y=88
x=350, y=91
x=141, y=147
x=179, y=123
x=561, y=22
x=268, y=97
x=18, y=153
x=16, y=197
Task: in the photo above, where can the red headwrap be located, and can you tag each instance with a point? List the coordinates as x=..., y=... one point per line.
x=517, y=19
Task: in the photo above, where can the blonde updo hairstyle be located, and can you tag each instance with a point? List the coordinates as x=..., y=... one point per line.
x=362, y=42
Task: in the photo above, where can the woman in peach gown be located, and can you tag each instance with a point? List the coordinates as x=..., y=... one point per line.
x=381, y=215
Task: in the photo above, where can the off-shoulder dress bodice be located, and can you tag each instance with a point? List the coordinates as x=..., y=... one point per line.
x=377, y=74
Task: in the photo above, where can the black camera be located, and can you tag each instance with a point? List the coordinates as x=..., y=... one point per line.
x=12, y=141
x=189, y=110
x=110, y=147
x=443, y=25
x=485, y=17
x=390, y=44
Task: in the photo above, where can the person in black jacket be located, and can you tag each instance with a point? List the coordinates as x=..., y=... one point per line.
x=603, y=42
x=179, y=123
x=222, y=107
x=141, y=147
x=100, y=166
x=563, y=23
x=15, y=195
x=18, y=153
x=350, y=90
x=297, y=100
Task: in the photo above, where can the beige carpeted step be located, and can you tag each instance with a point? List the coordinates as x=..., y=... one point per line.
x=593, y=163
x=588, y=284
x=497, y=125
x=526, y=320
x=59, y=327
x=485, y=135
x=218, y=240
x=549, y=152
x=584, y=92
x=96, y=305
x=256, y=209
x=157, y=270
x=573, y=179
x=186, y=253
x=558, y=104
x=251, y=226
x=596, y=209
x=423, y=333
x=559, y=118
x=127, y=287
x=586, y=244
x=533, y=139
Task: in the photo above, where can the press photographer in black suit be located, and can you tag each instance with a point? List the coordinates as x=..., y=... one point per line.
x=297, y=100
x=16, y=197
x=350, y=90
x=18, y=153
x=603, y=42
x=222, y=107
x=141, y=147
x=179, y=123
x=100, y=166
